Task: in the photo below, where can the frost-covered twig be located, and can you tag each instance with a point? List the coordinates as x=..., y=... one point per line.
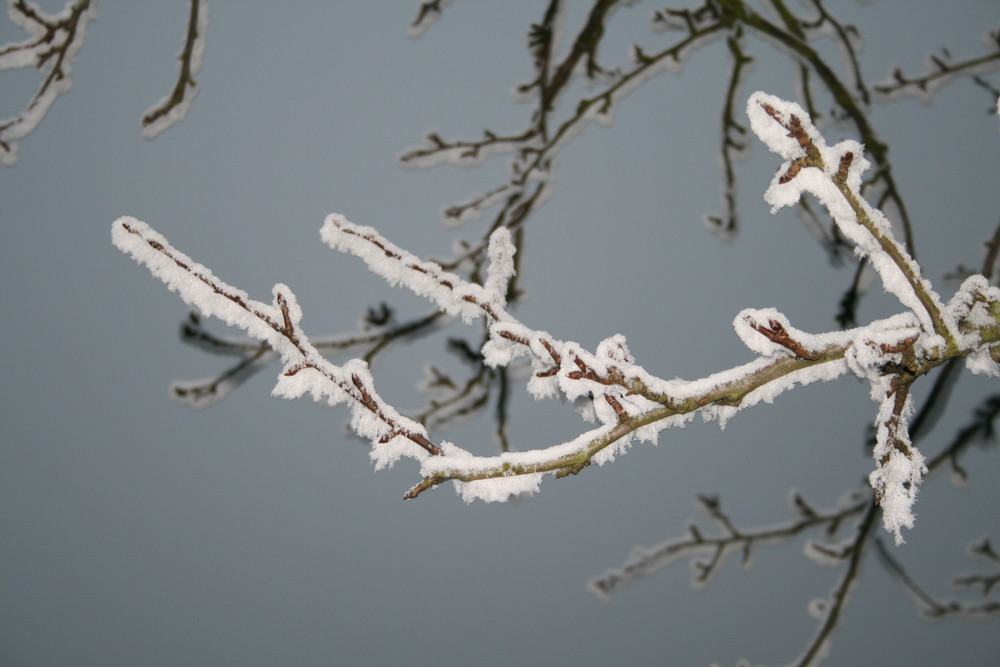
x=707, y=554
x=607, y=385
x=306, y=370
x=52, y=44
x=174, y=107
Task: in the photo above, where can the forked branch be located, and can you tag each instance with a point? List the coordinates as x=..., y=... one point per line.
x=52, y=44
x=627, y=401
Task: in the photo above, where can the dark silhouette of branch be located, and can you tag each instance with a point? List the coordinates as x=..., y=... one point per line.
x=708, y=553
x=734, y=141
x=979, y=430
x=428, y=13
x=941, y=70
x=831, y=609
x=255, y=356
x=933, y=608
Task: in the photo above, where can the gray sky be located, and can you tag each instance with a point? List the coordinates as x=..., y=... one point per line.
x=136, y=531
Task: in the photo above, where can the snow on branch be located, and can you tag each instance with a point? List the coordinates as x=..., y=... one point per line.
x=888, y=361
x=277, y=325
x=833, y=176
x=174, y=107
x=607, y=385
x=52, y=44
x=628, y=401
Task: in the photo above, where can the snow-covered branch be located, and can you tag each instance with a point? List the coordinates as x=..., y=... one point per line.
x=277, y=325
x=376, y=332
x=173, y=107
x=52, y=44
x=833, y=176
x=607, y=384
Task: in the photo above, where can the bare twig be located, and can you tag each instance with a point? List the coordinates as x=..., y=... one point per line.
x=834, y=607
x=933, y=608
x=712, y=550
x=941, y=69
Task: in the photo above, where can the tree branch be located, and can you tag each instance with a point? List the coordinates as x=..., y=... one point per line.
x=712, y=551
x=941, y=70
x=174, y=107
x=53, y=42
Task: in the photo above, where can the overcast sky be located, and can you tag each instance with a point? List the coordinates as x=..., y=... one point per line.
x=135, y=531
